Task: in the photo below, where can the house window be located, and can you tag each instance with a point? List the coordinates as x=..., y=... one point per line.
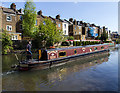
x=65, y=32
x=14, y=37
x=79, y=33
x=36, y=22
x=21, y=18
x=9, y=28
x=21, y=27
x=79, y=27
x=75, y=33
x=9, y=18
x=95, y=48
x=58, y=25
x=62, y=54
x=90, y=49
x=102, y=47
x=64, y=25
x=75, y=27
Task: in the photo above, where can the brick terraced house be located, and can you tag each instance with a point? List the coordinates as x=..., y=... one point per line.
x=9, y=18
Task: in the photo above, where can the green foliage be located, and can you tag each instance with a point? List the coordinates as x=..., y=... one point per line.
x=6, y=43
x=29, y=19
x=118, y=41
x=104, y=36
x=47, y=34
x=74, y=43
x=70, y=38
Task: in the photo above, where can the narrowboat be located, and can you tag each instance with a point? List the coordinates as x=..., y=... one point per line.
x=49, y=57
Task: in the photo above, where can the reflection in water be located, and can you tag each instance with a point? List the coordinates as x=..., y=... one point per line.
x=84, y=73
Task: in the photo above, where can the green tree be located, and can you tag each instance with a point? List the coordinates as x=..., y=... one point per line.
x=47, y=33
x=104, y=36
x=29, y=19
x=70, y=38
x=6, y=42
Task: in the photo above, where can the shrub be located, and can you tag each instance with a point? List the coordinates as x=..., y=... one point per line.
x=70, y=38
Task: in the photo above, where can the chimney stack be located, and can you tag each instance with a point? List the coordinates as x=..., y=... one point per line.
x=58, y=17
x=71, y=19
x=40, y=12
x=75, y=22
x=13, y=6
x=81, y=22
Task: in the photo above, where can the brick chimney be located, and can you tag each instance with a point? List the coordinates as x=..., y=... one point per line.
x=81, y=22
x=71, y=19
x=13, y=6
x=40, y=12
x=75, y=22
x=58, y=17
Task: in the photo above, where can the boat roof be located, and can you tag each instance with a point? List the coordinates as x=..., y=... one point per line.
x=74, y=47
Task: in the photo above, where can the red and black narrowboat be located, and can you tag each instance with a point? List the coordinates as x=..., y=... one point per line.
x=49, y=57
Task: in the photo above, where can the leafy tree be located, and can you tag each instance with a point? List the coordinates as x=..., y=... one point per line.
x=29, y=19
x=6, y=43
x=47, y=33
x=70, y=38
x=104, y=36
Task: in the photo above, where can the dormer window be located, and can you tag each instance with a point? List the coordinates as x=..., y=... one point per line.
x=9, y=18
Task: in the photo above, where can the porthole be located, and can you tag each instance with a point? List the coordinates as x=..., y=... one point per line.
x=75, y=51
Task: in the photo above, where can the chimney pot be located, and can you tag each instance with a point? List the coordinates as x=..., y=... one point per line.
x=13, y=6
x=71, y=19
x=58, y=17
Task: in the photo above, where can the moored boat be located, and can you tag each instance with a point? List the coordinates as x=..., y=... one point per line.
x=49, y=57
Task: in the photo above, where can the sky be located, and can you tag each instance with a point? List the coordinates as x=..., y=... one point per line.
x=99, y=13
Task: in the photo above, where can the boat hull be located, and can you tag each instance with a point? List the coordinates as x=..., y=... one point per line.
x=56, y=62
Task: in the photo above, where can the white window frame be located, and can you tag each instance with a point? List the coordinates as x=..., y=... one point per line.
x=14, y=37
x=9, y=26
x=7, y=16
x=64, y=31
x=65, y=26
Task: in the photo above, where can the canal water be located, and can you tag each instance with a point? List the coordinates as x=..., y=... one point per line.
x=91, y=73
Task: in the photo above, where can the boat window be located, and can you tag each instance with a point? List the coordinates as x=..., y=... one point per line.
x=90, y=49
x=75, y=51
x=95, y=48
x=62, y=54
x=102, y=47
